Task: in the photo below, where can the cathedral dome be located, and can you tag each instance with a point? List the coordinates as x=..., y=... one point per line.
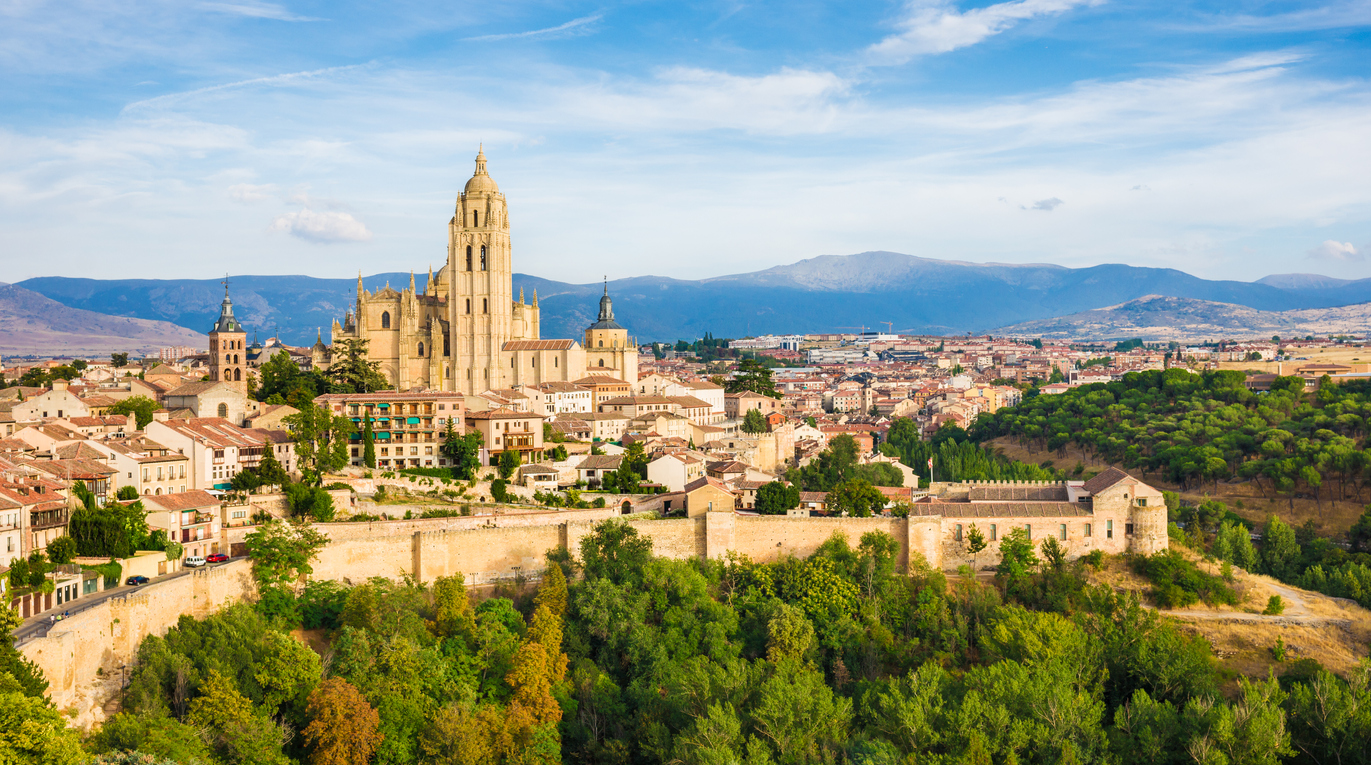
x=481, y=182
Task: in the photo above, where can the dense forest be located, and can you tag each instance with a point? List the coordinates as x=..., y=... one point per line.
x=621, y=656
x=1193, y=429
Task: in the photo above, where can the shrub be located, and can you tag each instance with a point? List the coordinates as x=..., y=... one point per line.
x=497, y=490
x=1177, y=583
x=1274, y=606
x=1095, y=559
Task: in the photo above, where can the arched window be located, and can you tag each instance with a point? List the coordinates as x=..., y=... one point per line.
x=237, y=375
x=554, y=361
x=602, y=362
x=602, y=343
x=468, y=305
x=223, y=411
x=511, y=363
x=421, y=350
x=385, y=320
x=147, y=491
x=158, y=491
x=533, y=362
x=483, y=257
x=475, y=218
x=468, y=257
x=485, y=302
x=228, y=358
x=235, y=358
x=447, y=350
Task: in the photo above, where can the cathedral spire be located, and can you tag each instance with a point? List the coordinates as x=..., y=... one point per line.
x=361, y=290
x=411, y=282
x=535, y=297
x=606, y=305
x=428, y=285
x=521, y=296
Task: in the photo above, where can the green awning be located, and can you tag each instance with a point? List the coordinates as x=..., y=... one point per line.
x=413, y=420
x=383, y=406
x=382, y=436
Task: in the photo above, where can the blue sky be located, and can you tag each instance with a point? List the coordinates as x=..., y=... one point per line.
x=687, y=139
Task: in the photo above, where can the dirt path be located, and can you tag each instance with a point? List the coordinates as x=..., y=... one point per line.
x=1296, y=612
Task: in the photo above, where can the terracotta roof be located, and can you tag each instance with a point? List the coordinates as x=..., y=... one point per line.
x=601, y=462
x=538, y=345
x=81, y=450
x=689, y=402
x=1006, y=510
x=727, y=466
x=196, y=388
x=186, y=500
x=1019, y=493
x=161, y=369
x=84, y=469
x=700, y=483
x=600, y=380
x=386, y=396
x=501, y=414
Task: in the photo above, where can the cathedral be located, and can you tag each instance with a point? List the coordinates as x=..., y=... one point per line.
x=466, y=331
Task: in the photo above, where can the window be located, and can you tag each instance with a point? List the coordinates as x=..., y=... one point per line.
x=1108, y=529
x=602, y=343
x=223, y=411
x=1142, y=501
x=475, y=217
x=1087, y=530
x=1061, y=532
x=1028, y=530
x=468, y=305
x=485, y=302
x=483, y=257
x=957, y=532
x=385, y=320
x=447, y=350
x=237, y=375
x=421, y=350
x=468, y=265
x=1128, y=529
x=602, y=362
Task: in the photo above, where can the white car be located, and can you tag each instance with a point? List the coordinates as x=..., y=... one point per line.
x=194, y=561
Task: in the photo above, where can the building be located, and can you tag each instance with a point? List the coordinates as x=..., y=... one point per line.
x=147, y=466
x=227, y=348
x=1112, y=512
x=504, y=430
x=209, y=398
x=555, y=398
x=466, y=331
x=407, y=428
x=217, y=449
x=192, y=518
x=57, y=402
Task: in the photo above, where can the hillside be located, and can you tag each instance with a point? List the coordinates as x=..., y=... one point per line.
x=822, y=294
x=33, y=324
x=1156, y=317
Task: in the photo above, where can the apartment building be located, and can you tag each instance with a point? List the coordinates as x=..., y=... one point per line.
x=553, y=398
x=150, y=467
x=407, y=427
x=217, y=449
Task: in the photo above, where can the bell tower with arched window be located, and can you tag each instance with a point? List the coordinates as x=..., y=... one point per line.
x=228, y=347
x=609, y=349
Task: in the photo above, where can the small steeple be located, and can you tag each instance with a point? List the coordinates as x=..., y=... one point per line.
x=361, y=290
x=481, y=160
x=606, y=305
x=226, y=322
x=521, y=296
x=535, y=297
x=428, y=285
x=411, y=282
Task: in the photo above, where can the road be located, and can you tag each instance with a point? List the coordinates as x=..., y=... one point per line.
x=38, y=626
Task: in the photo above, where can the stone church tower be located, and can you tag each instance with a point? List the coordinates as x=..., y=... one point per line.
x=228, y=348
x=467, y=331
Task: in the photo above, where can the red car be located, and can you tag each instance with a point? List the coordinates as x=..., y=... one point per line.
x=216, y=558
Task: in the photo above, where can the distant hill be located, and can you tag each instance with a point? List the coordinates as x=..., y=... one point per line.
x=33, y=324
x=822, y=294
x=1158, y=318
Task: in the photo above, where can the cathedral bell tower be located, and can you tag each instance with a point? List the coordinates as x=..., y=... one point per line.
x=481, y=307
x=228, y=347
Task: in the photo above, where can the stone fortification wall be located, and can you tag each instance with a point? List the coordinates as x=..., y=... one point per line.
x=107, y=635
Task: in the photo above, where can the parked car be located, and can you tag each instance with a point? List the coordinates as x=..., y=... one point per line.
x=194, y=561
x=216, y=558
x=136, y=580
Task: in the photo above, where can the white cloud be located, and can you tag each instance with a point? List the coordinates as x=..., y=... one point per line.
x=573, y=27
x=256, y=10
x=248, y=193
x=1332, y=249
x=323, y=227
x=1349, y=13
x=291, y=78
x=1046, y=205
x=935, y=26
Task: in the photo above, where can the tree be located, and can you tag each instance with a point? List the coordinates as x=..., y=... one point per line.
x=1017, y=559
x=509, y=462
x=352, y=368
x=497, y=490
x=126, y=493
x=856, y=498
x=141, y=407
x=975, y=543
x=462, y=452
x=118, y=360
x=753, y=376
x=270, y=471
x=343, y=727
x=321, y=441
x=245, y=481
x=281, y=553
x=309, y=502
x=62, y=550
x=32, y=730
x=754, y=422
x=281, y=376
x=775, y=498
x=1280, y=553
x=615, y=551
x=1359, y=536
x=369, y=442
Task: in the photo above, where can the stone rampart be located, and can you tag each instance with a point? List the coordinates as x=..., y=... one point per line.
x=81, y=655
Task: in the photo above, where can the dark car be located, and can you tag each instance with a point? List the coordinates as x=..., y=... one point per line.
x=136, y=580
x=216, y=558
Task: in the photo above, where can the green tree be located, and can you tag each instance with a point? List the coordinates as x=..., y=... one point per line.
x=509, y=462
x=369, y=442
x=775, y=498
x=754, y=422
x=1280, y=553
x=856, y=498
x=309, y=502
x=118, y=360
x=975, y=543
x=270, y=471
x=282, y=553
x=321, y=441
x=32, y=731
x=281, y=376
x=352, y=368
x=62, y=549
x=753, y=376
x=462, y=452
x=615, y=551
x=141, y=407
x=1359, y=536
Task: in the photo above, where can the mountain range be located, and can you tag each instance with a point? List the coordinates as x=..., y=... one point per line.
x=31, y=324
x=830, y=293
x=1159, y=318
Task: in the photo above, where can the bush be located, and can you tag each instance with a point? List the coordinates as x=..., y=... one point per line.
x=1177, y=583
x=1095, y=559
x=62, y=549
x=111, y=572
x=497, y=490
x=430, y=472
x=1274, y=606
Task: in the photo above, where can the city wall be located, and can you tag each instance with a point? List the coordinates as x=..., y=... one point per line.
x=81, y=655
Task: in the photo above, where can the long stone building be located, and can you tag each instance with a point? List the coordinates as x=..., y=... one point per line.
x=466, y=331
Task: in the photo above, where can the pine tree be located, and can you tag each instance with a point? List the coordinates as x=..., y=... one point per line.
x=369, y=444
